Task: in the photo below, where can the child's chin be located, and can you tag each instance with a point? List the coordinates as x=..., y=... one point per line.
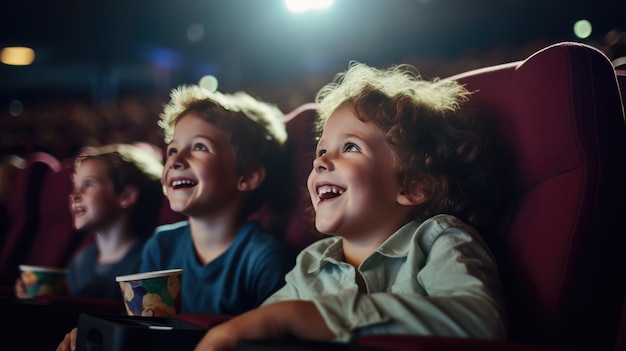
x=81, y=226
x=326, y=228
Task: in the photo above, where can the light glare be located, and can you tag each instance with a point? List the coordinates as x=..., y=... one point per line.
x=321, y=4
x=298, y=6
x=17, y=56
x=195, y=32
x=582, y=29
x=208, y=82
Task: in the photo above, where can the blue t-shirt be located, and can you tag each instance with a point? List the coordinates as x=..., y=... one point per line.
x=240, y=279
x=87, y=278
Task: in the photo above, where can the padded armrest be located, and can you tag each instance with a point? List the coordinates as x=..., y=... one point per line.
x=427, y=343
x=203, y=320
x=82, y=304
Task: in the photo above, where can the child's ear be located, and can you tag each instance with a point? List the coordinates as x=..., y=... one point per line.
x=416, y=197
x=252, y=178
x=129, y=196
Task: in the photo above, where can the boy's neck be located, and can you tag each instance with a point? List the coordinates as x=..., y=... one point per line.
x=355, y=252
x=114, y=243
x=212, y=236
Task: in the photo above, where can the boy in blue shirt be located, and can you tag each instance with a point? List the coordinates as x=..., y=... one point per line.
x=222, y=164
x=220, y=167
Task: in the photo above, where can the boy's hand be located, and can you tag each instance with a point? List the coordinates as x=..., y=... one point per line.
x=297, y=318
x=69, y=342
x=20, y=289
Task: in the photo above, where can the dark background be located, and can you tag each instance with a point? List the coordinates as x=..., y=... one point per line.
x=100, y=52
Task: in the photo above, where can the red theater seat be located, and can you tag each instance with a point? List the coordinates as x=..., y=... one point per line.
x=23, y=213
x=56, y=239
x=559, y=239
x=560, y=242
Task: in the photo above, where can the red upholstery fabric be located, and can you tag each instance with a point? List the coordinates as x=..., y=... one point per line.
x=293, y=220
x=560, y=239
x=203, y=320
x=417, y=343
x=56, y=239
x=167, y=215
x=620, y=343
x=621, y=81
x=22, y=212
x=300, y=229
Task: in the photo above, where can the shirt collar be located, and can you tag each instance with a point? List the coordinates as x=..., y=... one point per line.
x=332, y=255
x=397, y=245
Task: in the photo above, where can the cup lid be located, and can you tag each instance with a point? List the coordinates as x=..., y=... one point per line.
x=24, y=267
x=147, y=275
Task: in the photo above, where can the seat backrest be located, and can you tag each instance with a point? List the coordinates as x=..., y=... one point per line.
x=56, y=240
x=291, y=219
x=621, y=81
x=23, y=212
x=559, y=240
x=620, y=344
x=167, y=215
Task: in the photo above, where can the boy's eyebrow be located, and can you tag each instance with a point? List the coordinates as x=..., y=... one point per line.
x=345, y=136
x=352, y=135
x=196, y=136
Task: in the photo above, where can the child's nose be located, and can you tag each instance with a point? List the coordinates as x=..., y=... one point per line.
x=178, y=161
x=322, y=163
x=74, y=197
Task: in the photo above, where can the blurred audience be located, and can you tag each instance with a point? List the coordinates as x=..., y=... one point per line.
x=61, y=128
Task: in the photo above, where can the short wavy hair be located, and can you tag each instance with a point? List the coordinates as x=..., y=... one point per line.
x=128, y=165
x=257, y=129
x=437, y=144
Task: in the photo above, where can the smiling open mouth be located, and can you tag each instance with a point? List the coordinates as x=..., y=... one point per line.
x=77, y=211
x=179, y=184
x=329, y=192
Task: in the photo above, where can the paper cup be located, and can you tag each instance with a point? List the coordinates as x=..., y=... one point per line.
x=44, y=280
x=152, y=294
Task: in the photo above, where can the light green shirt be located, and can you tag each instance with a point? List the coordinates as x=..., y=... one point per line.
x=432, y=278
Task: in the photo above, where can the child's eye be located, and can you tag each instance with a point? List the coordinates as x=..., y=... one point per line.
x=171, y=152
x=321, y=152
x=350, y=147
x=200, y=147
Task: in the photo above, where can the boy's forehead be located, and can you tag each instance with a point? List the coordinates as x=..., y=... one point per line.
x=194, y=125
x=91, y=165
x=345, y=121
x=197, y=119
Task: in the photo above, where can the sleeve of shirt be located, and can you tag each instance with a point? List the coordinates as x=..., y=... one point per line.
x=461, y=299
x=287, y=292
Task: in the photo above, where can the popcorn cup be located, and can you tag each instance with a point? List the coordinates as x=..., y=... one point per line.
x=40, y=280
x=152, y=294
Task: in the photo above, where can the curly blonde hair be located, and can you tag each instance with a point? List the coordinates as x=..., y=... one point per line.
x=266, y=115
x=439, y=146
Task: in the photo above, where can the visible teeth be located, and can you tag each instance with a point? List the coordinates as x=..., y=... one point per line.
x=327, y=189
x=183, y=182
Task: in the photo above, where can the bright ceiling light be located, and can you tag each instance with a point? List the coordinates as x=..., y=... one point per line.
x=321, y=4
x=17, y=56
x=305, y=5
